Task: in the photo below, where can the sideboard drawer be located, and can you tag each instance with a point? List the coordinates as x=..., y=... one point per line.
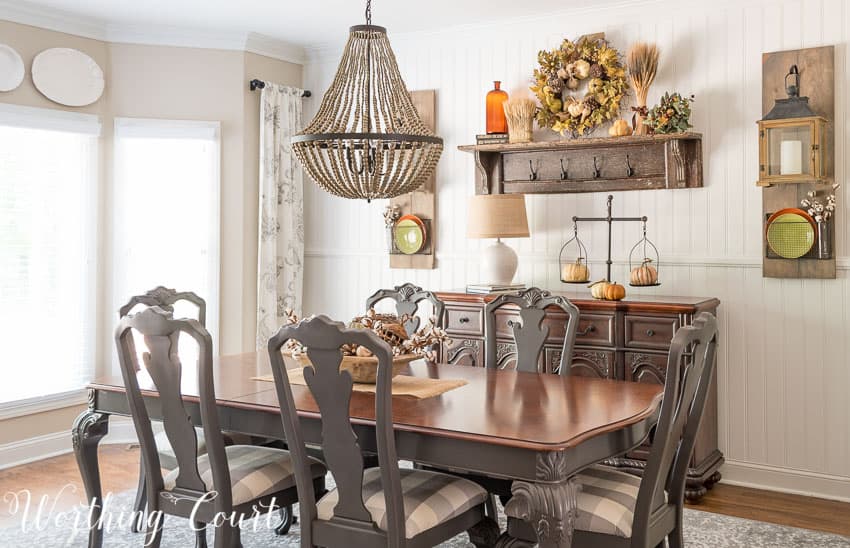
x=466, y=320
x=595, y=329
x=650, y=331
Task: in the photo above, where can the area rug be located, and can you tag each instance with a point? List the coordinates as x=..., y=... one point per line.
x=54, y=529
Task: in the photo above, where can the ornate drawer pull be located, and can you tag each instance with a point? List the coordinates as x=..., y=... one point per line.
x=650, y=333
x=511, y=323
x=463, y=319
x=587, y=330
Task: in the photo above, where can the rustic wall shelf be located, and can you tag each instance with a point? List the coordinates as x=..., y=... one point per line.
x=817, y=82
x=589, y=165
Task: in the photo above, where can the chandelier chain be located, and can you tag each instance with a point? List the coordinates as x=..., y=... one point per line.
x=368, y=12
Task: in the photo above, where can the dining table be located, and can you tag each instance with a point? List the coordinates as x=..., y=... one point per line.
x=535, y=430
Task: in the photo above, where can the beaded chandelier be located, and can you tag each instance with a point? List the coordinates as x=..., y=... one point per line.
x=367, y=140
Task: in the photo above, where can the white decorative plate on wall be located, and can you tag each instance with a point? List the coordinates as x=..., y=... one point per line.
x=67, y=76
x=11, y=68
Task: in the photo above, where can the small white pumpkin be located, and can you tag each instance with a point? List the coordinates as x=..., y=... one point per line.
x=575, y=272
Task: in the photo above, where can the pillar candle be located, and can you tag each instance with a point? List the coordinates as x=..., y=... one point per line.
x=791, y=158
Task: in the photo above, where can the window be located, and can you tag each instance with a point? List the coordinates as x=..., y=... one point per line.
x=48, y=219
x=165, y=215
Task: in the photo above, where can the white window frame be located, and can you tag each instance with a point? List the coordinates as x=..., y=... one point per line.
x=165, y=128
x=12, y=115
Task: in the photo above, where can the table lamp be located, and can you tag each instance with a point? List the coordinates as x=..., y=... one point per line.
x=498, y=216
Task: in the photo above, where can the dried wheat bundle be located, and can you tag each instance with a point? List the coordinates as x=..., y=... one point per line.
x=642, y=63
x=520, y=115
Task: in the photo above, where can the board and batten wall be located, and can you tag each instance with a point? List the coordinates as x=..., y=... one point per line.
x=783, y=367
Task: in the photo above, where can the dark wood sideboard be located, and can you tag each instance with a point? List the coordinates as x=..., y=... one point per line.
x=626, y=340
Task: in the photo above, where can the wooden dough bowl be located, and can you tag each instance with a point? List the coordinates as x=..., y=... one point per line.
x=365, y=370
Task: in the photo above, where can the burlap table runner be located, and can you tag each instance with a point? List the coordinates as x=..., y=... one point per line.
x=403, y=385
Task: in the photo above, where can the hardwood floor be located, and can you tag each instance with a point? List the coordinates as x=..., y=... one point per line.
x=120, y=467
x=119, y=471
x=794, y=510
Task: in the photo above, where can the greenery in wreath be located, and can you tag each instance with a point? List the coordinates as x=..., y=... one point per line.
x=566, y=105
x=671, y=115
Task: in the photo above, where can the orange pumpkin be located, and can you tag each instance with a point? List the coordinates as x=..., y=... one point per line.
x=614, y=292
x=645, y=274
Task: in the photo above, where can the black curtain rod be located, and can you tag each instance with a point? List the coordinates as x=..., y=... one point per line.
x=259, y=84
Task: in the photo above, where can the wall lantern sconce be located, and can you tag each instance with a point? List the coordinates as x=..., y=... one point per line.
x=792, y=139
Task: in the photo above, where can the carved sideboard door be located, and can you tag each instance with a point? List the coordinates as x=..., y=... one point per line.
x=626, y=340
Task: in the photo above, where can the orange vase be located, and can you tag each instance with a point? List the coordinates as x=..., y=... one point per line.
x=496, y=121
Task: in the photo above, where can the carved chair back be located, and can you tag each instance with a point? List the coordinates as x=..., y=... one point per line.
x=407, y=298
x=161, y=334
x=331, y=390
x=529, y=332
x=165, y=298
x=690, y=367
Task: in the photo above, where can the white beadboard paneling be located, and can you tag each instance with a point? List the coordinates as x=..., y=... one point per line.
x=783, y=366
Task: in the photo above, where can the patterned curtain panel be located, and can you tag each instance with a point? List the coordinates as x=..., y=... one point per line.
x=281, y=233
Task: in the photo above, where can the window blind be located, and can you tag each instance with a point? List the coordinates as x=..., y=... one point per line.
x=165, y=223
x=48, y=220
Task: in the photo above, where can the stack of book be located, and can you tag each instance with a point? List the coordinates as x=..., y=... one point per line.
x=483, y=289
x=491, y=139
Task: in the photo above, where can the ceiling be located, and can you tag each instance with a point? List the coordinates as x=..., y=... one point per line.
x=303, y=23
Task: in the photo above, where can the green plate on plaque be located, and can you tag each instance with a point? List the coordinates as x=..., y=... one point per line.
x=790, y=236
x=409, y=237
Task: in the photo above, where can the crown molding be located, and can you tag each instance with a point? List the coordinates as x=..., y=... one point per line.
x=183, y=37
x=26, y=13
x=277, y=49
x=173, y=36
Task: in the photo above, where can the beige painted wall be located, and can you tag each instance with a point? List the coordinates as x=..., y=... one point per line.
x=29, y=41
x=170, y=83
x=196, y=84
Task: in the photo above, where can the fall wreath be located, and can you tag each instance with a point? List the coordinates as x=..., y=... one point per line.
x=566, y=104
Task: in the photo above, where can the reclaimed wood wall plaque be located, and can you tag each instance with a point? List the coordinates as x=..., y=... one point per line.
x=422, y=201
x=817, y=82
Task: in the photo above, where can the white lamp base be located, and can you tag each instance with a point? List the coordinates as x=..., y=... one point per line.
x=498, y=264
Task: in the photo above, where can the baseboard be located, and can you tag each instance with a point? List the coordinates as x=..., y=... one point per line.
x=786, y=480
x=20, y=452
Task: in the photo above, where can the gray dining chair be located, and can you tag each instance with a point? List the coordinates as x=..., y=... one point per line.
x=529, y=333
x=233, y=481
x=166, y=298
x=383, y=506
x=407, y=298
x=619, y=510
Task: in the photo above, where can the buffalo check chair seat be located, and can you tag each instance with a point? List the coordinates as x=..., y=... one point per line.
x=430, y=499
x=255, y=472
x=167, y=458
x=606, y=502
x=168, y=461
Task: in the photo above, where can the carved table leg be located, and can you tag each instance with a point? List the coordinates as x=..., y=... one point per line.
x=549, y=508
x=86, y=434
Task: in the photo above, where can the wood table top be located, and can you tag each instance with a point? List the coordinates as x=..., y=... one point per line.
x=523, y=410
